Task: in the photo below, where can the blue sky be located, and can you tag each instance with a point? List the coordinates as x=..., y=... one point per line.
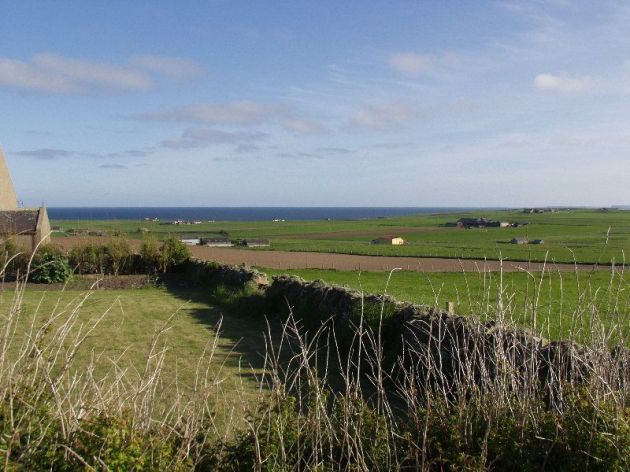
x=296, y=103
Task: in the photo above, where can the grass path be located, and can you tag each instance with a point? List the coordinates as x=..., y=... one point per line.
x=133, y=316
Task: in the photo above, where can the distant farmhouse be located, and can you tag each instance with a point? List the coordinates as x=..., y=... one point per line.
x=392, y=240
x=216, y=242
x=526, y=241
x=540, y=210
x=255, y=242
x=481, y=223
x=190, y=240
x=27, y=227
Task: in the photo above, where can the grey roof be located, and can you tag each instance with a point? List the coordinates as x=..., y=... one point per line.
x=18, y=221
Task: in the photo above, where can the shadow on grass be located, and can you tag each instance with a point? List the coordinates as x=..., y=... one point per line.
x=243, y=333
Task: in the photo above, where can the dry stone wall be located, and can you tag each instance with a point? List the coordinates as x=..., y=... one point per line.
x=463, y=348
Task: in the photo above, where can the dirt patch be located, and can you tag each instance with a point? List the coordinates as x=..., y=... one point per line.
x=324, y=260
x=90, y=282
x=319, y=260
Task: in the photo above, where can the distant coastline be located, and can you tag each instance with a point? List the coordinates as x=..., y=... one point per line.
x=245, y=213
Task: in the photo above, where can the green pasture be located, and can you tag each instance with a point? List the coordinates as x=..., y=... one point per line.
x=556, y=305
x=569, y=235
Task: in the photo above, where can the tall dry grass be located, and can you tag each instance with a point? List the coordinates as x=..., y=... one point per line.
x=321, y=406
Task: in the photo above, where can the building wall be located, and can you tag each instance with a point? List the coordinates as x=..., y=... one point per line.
x=8, y=198
x=42, y=233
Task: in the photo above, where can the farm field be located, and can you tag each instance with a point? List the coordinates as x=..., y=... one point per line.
x=131, y=319
x=551, y=304
x=322, y=260
x=585, y=236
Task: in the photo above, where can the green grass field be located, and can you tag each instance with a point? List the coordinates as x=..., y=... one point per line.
x=553, y=305
x=132, y=318
x=570, y=235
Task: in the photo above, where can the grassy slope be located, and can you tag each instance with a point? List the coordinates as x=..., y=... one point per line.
x=580, y=235
x=559, y=301
x=135, y=315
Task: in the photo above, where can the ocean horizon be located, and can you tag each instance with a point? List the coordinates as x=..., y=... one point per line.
x=246, y=213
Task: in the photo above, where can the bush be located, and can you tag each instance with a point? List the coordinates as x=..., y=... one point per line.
x=50, y=268
x=13, y=261
x=88, y=259
x=173, y=254
x=118, y=254
x=150, y=255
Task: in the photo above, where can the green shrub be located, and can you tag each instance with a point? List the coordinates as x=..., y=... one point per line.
x=118, y=254
x=50, y=267
x=173, y=254
x=150, y=255
x=13, y=261
x=88, y=259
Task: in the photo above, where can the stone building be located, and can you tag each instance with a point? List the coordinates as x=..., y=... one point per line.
x=27, y=227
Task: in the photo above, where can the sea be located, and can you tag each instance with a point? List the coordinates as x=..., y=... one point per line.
x=244, y=213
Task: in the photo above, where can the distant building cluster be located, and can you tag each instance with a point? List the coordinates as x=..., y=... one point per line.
x=223, y=241
x=522, y=240
x=540, y=210
x=182, y=222
x=482, y=222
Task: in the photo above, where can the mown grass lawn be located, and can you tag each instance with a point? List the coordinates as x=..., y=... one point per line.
x=131, y=319
x=556, y=305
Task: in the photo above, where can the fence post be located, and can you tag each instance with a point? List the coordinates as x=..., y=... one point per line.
x=450, y=308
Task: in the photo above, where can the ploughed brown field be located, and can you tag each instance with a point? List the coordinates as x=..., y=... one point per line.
x=319, y=260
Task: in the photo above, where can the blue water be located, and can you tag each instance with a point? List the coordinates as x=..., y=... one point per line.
x=240, y=213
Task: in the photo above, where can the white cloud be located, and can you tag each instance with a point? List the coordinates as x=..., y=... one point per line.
x=57, y=75
x=564, y=83
x=237, y=113
x=53, y=74
x=193, y=138
x=92, y=73
x=303, y=126
x=173, y=67
x=409, y=63
x=388, y=115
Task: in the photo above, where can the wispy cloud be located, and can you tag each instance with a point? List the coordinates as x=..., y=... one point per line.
x=334, y=150
x=564, y=83
x=299, y=156
x=193, y=138
x=242, y=112
x=129, y=153
x=45, y=153
x=112, y=166
x=58, y=75
x=51, y=153
x=412, y=64
x=174, y=67
x=239, y=113
x=384, y=116
x=303, y=126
